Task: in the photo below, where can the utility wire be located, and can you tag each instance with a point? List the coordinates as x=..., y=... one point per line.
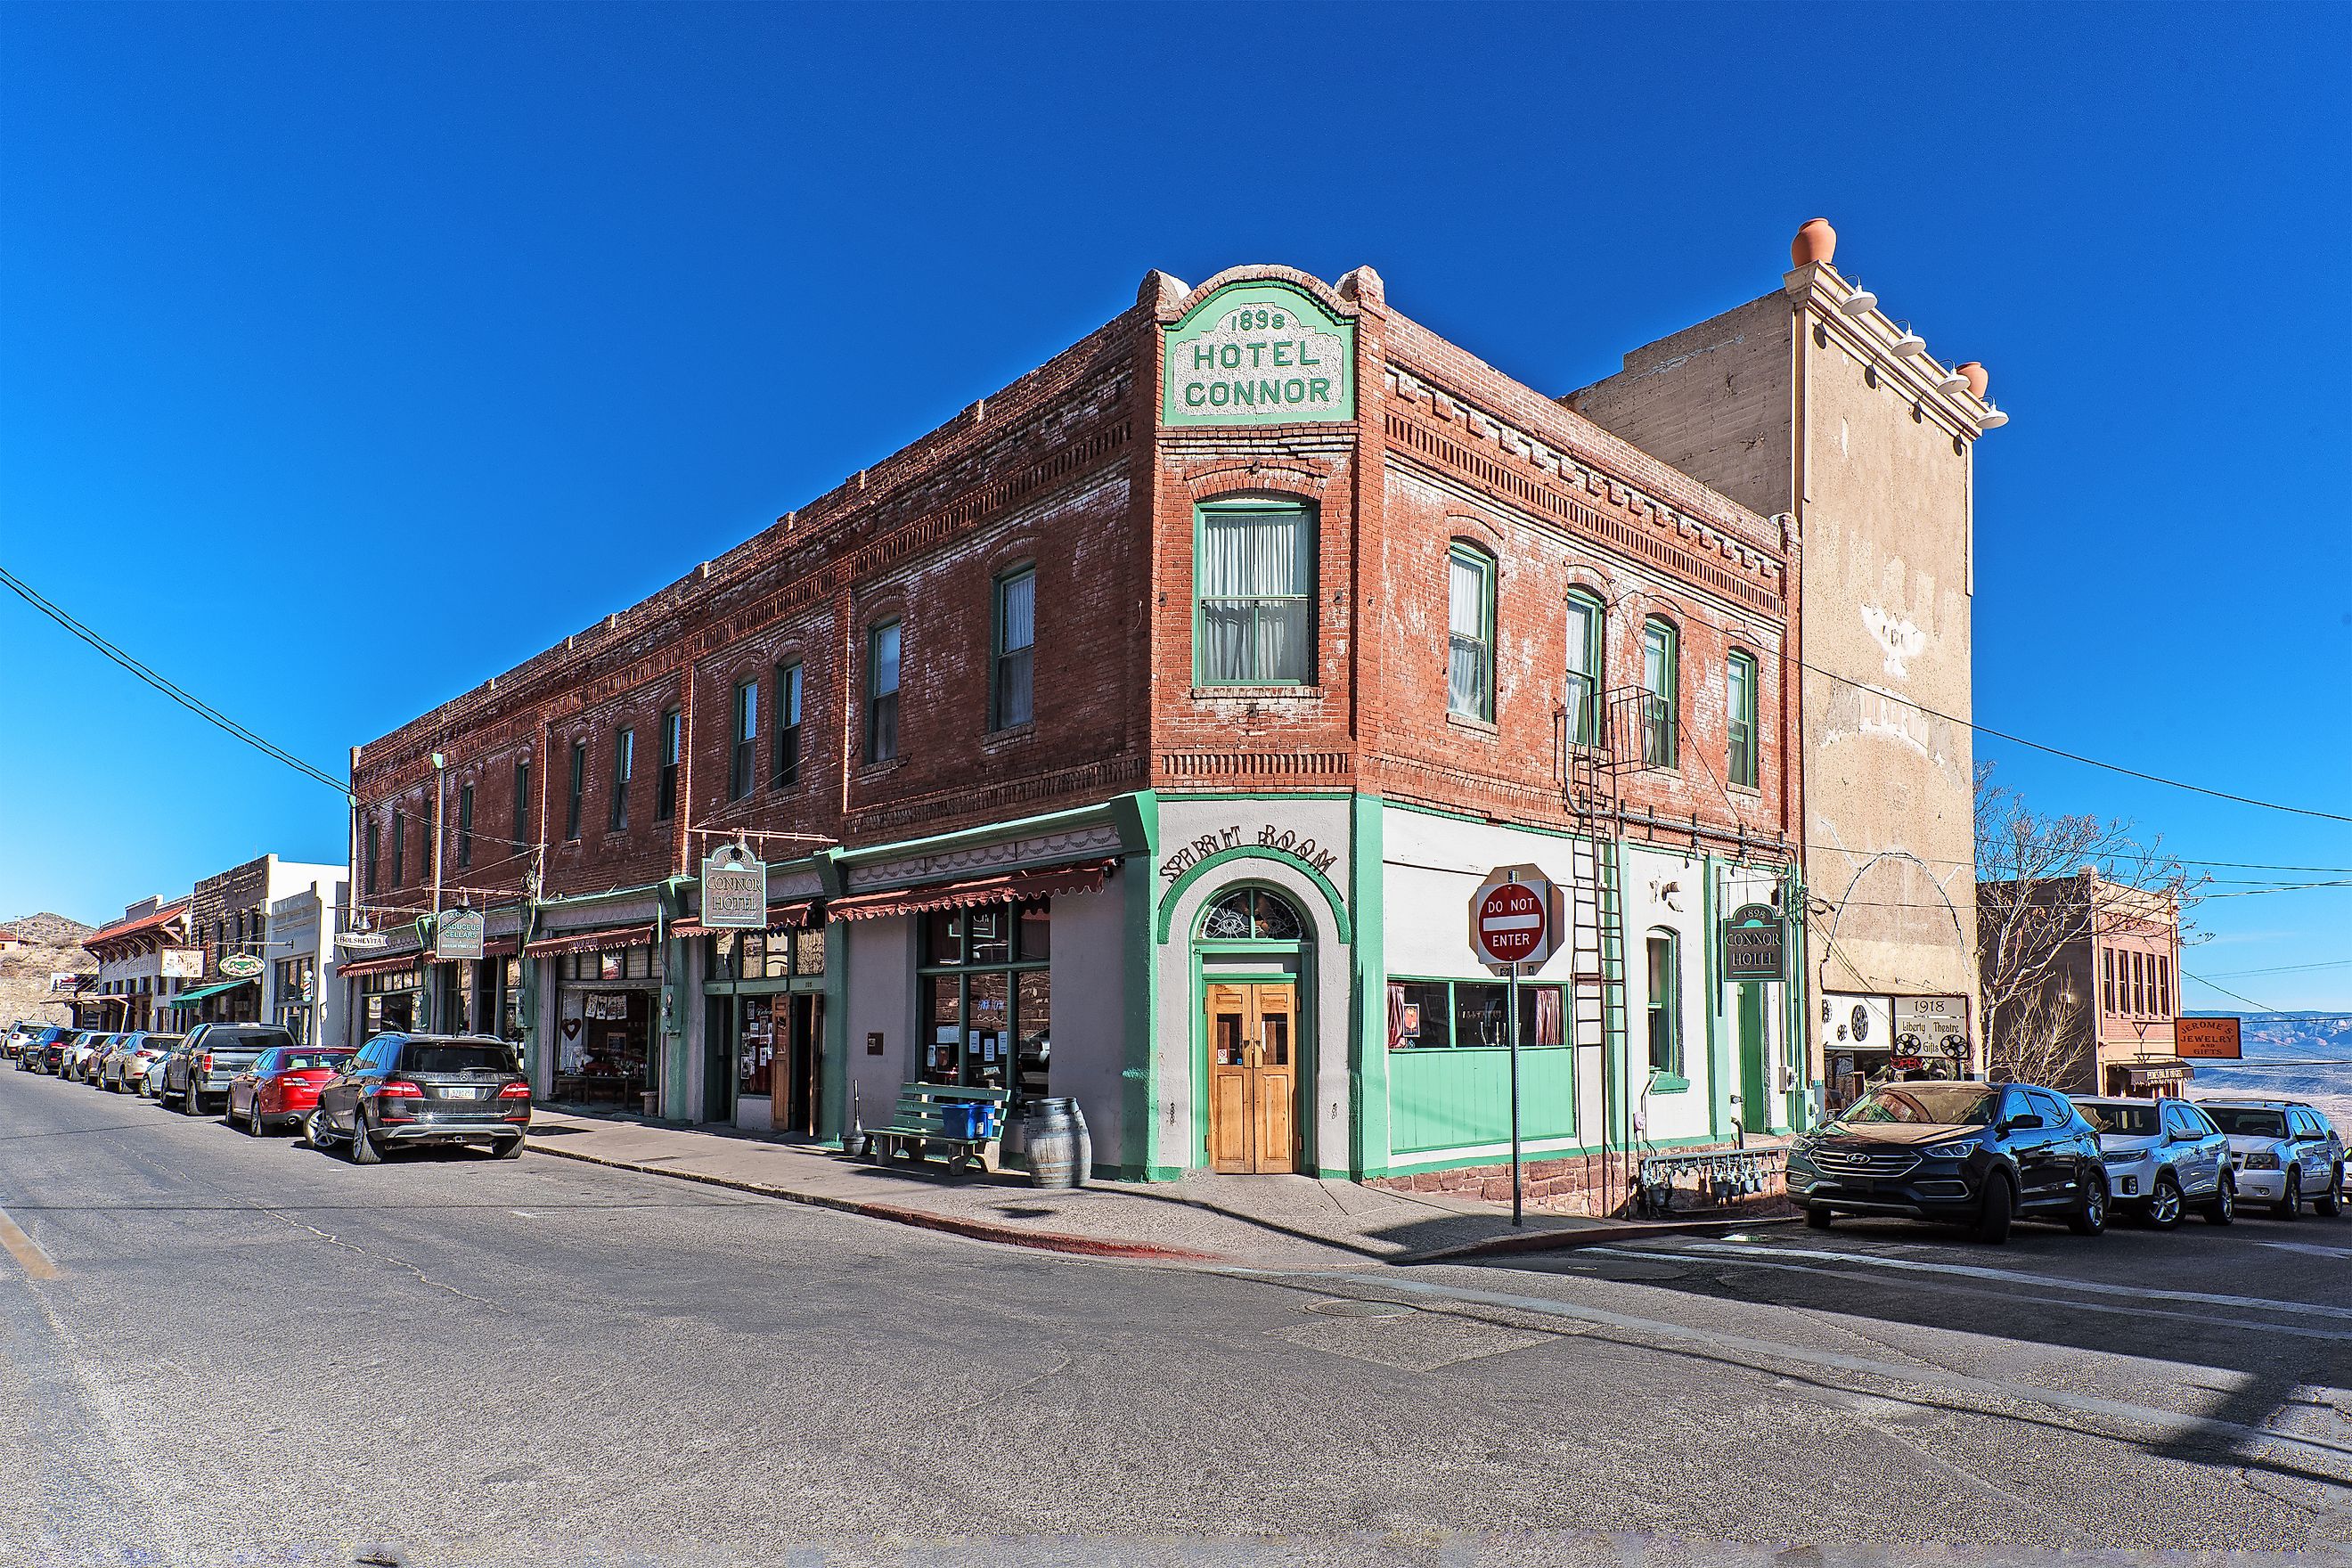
x=2225, y=991
x=195, y=705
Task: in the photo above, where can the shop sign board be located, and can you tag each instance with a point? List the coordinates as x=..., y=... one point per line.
x=734, y=890
x=2208, y=1039
x=179, y=963
x=457, y=933
x=1265, y=352
x=240, y=967
x=1755, y=944
x=1510, y=917
x=361, y=940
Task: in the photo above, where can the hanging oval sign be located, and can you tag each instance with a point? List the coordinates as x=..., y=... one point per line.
x=240, y=967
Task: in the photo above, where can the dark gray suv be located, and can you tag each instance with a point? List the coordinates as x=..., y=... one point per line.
x=424, y=1089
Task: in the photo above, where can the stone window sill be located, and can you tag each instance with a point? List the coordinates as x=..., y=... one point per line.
x=1258, y=694
x=1476, y=726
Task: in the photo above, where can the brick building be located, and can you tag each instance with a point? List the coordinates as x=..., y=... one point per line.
x=2100, y=1017
x=228, y=917
x=1140, y=736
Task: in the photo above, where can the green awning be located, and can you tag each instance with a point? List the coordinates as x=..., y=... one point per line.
x=201, y=992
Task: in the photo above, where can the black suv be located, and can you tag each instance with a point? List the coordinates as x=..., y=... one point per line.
x=424, y=1089
x=1978, y=1153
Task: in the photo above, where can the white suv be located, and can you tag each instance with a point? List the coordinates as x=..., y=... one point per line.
x=2163, y=1157
x=2286, y=1153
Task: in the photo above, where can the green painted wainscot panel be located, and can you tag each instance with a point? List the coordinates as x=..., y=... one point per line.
x=1460, y=1097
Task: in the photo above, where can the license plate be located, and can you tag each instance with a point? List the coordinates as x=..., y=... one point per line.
x=461, y=1094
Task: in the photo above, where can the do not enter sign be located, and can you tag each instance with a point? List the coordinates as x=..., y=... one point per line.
x=1510, y=918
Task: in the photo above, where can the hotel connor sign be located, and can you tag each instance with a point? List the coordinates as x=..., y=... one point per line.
x=1259, y=353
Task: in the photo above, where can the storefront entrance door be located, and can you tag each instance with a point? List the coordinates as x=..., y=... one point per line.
x=1755, y=1093
x=1252, y=1078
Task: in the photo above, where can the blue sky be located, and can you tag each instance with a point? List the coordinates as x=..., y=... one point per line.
x=349, y=354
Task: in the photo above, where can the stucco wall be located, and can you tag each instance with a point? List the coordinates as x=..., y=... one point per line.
x=881, y=996
x=1089, y=983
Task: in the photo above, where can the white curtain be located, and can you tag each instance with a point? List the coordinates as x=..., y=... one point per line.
x=1255, y=574
x=1017, y=632
x=1466, y=662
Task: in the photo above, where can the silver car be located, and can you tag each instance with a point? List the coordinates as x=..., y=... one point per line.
x=2286, y=1153
x=2164, y=1157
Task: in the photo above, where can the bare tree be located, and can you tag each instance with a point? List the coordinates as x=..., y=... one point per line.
x=2044, y=885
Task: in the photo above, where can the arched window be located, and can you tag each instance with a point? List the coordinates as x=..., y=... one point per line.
x=1253, y=585
x=1661, y=687
x=1585, y=623
x=1251, y=912
x=1666, y=1010
x=1470, y=632
x=1739, y=715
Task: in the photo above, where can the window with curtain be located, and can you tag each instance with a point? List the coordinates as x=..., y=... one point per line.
x=579, y=785
x=1470, y=633
x=465, y=825
x=672, y=738
x=522, y=834
x=374, y=839
x=1739, y=705
x=1666, y=1003
x=1660, y=686
x=1254, y=577
x=1016, y=649
x=883, y=646
x=625, y=767
x=1583, y=684
x=2107, y=979
x=399, y=849
x=739, y=775
x=788, y=725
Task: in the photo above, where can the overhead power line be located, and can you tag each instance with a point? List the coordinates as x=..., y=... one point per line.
x=2225, y=991
x=194, y=704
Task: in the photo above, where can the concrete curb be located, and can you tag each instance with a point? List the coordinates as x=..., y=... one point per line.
x=1599, y=1234
x=972, y=1229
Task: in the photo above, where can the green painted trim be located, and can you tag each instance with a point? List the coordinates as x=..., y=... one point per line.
x=1313, y=515
x=833, y=1113
x=1138, y=815
x=1368, y=1077
x=1718, y=1095
x=1198, y=795
x=1104, y=812
x=1407, y=1165
x=1174, y=893
x=1668, y=1083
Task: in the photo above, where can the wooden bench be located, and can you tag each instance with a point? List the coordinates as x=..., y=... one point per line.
x=921, y=1122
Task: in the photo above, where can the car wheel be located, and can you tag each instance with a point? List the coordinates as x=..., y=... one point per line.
x=1817, y=1218
x=2331, y=1202
x=1999, y=1208
x=2090, y=1219
x=2164, y=1203
x=363, y=1149
x=2224, y=1206
x=253, y=1126
x=510, y=1150
x=191, y=1101
x=314, y=1132
x=2291, y=1206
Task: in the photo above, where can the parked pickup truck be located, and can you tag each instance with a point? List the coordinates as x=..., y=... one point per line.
x=196, y=1076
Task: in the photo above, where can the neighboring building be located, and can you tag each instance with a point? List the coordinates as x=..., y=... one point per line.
x=10, y=942
x=298, y=988
x=145, y=959
x=228, y=917
x=1140, y=736
x=1811, y=403
x=2100, y=1021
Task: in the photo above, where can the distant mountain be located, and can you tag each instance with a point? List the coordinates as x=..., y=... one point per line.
x=57, y=944
x=2274, y=1034
x=48, y=930
x=2320, y=1043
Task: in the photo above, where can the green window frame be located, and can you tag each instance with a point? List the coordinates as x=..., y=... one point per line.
x=1012, y=696
x=1429, y=1013
x=1739, y=710
x=984, y=977
x=1587, y=629
x=1662, y=688
x=1664, y=1001
x=1470, y=633
x=1254, y=619
x=465, y=825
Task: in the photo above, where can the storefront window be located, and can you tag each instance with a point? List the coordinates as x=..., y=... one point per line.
x=1438, y=1013
x=808, y=951
x=601, y=1050
x=987, y=997
x=510, y=999
x=388, y=1001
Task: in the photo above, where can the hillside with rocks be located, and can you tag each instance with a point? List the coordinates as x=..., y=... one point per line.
x=56, y=944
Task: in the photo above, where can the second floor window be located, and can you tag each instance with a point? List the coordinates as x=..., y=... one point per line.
x=399, y=849
x=1470, y=633
x=1254, y=573
x=522, y=832
x=1016, y=650
x=739, y=761
x=374, y=838
x=1739, y=714
x=673, y=736
x=1660, y=684
x=625, y=767
x=465, y=825
x=579, y=784
x=2107, y=979
x=882, y=649
x=1582, y=696
x=788, y=726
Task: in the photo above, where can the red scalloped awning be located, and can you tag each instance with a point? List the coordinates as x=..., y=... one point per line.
x=1084, y=876
x=610, y=940
x=360, y=968
x=780, y=917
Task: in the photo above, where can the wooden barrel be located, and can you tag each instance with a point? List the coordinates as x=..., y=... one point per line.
x=1055, y=1138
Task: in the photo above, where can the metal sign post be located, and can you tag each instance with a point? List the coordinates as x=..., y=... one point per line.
x=1510, y=924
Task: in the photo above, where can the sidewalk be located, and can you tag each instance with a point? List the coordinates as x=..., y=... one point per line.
x=1279, y=1222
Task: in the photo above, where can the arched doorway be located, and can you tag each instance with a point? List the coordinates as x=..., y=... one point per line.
x=1252, y=947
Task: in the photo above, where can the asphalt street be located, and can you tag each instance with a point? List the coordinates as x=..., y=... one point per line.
x=223, y=1350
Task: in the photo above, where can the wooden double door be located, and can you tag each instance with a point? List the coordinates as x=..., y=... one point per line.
x=1253, y=1077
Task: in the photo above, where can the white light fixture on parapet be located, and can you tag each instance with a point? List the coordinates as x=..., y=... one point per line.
x=1910, y=344
x=1993, y=419
x=1861, y=302
x=1953, y=381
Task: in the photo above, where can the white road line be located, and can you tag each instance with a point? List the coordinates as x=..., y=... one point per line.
x=2310, y=1248
x=2253, y=1325
x=2018, y=1276
x=2171, y=1424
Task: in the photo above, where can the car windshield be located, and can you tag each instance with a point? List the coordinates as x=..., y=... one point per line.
x=2124, y=1121
x=1928, y=1104
x=2244, y=1121
x=418, y=1056
x=303, y=1062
